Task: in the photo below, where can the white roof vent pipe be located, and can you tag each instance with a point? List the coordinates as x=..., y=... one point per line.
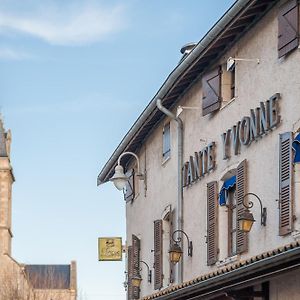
x=186, y=49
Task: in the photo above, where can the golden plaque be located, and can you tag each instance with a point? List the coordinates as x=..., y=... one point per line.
x=110, y=248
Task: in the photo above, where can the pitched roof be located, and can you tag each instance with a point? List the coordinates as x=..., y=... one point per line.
x=49, y=276
x=233, y=24
x=274, y=261
x=3, y=151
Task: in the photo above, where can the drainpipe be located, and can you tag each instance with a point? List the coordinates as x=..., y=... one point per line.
x=179, y=210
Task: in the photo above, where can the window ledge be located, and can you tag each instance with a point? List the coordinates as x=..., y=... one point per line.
x=296, y=234
x=226, y=103
x=227, y=261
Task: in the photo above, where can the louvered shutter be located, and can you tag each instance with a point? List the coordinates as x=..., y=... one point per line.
x=129, y=188
x=130, y=272
x=212, y=223
x=171, y=265
x=288, y=27
x=285, y=184
x=136, y=246
x=241, y=185
x=158, y=272
x=211, y=87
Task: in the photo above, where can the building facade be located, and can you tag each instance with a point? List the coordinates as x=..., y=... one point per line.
x=220, y=137
x=19, y=281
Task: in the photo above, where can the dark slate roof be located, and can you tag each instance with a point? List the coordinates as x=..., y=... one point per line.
x=3, y=152
x=269, y=262
x=49, y=276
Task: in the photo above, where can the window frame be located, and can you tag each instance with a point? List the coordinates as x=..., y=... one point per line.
x=232, y=228
x=166, y=142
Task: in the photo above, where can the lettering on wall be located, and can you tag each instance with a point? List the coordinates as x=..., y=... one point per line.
x=200, y=164
x=260, y=122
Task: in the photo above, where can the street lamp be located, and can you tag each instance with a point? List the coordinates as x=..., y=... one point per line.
x=175, y=251
x=119, y=179
x=136, y=280
x=246, y=219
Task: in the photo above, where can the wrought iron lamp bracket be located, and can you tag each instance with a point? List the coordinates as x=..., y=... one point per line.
x=179, y=239
x=263, y=210
x=149, y=271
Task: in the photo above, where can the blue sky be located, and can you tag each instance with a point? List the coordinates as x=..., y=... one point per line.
x=74, y=76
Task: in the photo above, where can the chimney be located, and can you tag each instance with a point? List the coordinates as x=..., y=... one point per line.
x=186, y=49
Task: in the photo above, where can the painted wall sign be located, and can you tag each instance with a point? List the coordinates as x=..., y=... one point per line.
x=110, y=248
x=200, y=164
x=260, y=122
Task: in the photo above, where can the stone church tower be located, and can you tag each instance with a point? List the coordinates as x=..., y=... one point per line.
x=6, y=181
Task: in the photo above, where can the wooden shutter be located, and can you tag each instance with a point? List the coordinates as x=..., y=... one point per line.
x=285, y=184
x=171, y=265
x=158, y=263
x=212, y=223
x=241, y=185
x=136, y=246
x=130, y=272
x=129, y=188
x=288, y=27
x=211, y=87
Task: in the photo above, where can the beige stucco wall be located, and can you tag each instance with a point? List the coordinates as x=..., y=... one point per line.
x=254, y=83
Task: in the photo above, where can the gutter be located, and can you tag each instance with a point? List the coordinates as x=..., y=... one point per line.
x=170, y=82
x=179, y=208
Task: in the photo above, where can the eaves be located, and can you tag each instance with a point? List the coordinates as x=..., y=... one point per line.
x=238, y=19
x=247, y=272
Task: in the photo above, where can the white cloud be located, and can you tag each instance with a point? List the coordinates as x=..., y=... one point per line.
x=10, y=54
x=66, y=26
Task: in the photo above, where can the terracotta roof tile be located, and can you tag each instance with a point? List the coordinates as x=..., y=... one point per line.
x=225, y=269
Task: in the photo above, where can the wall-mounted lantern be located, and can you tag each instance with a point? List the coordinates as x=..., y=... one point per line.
x=175, y=251
x=246, y=219
x=119, y=179
x=136, y=280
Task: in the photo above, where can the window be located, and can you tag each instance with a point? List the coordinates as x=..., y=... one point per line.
x=285, y=184
x=163, y=268
x=211, y=89
x=129, y=191
x=231, y=195
x=228, y=88
x=218, y=86
x=296, y=149
x=232, y=83
x=166, y=142
x=288, y=31
x=133, y=266
x=158, y=254
x=232, y=220
x=212, y=223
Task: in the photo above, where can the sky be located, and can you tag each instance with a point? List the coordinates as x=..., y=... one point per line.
x=74, y=76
